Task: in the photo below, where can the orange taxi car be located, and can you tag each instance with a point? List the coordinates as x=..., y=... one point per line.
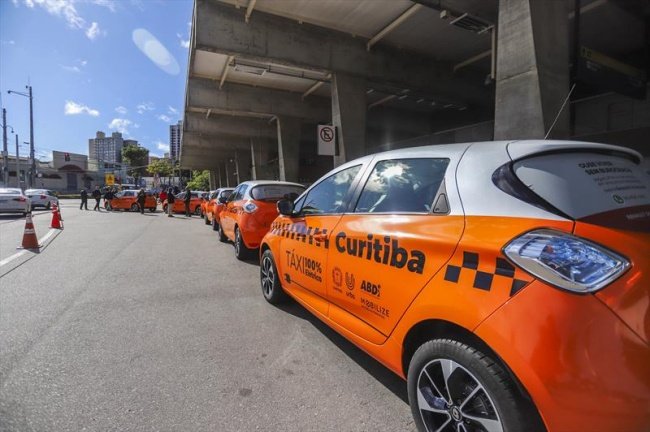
x=507, y=282
x=179, y=203
x=128, y=200
x=249, y=211
x=215, y=205
x=205, y=201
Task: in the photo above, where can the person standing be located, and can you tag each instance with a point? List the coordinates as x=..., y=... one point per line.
x=98, y=197
x=84, y=199
x=141, y=199
x=170, y=203
x=108, y=196
x=188, y=198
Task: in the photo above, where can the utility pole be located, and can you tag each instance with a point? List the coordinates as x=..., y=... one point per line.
x=32, y=159
x=5, y=153
x=17, y=162
x=32, y=169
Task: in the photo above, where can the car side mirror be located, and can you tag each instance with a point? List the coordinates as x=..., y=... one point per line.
x=285, y=207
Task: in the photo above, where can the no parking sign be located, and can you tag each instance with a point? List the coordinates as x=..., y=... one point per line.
x=326, y=140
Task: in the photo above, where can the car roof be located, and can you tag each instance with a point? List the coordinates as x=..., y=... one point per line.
x=269, y=182
x=10, y=190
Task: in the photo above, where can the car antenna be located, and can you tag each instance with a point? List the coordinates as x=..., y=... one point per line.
x=560, y=111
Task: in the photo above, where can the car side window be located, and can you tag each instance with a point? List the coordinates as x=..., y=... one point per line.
x=328, y=195
x=402, y=185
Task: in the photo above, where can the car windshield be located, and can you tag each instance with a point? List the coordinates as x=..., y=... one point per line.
x=275, y=192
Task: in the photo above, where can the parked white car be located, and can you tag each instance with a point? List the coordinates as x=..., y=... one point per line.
x=13, y=200
x=42, y=198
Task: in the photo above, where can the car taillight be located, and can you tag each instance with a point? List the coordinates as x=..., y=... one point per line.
x=43, y=197
x=21, y=199
x=250, y=207
x=566, y=261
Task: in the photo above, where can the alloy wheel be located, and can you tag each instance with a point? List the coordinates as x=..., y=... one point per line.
x=268, y=276
x=451, y=399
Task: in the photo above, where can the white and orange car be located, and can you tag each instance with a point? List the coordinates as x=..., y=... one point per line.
x=507, y=282
x=128, y=200
x=215, y=205
x=247, y=215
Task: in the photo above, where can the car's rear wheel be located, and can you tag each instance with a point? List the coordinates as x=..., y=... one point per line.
x=452, y=386
x=197, y=210
x=135, y=207
x=241, y=251
x=271, y=287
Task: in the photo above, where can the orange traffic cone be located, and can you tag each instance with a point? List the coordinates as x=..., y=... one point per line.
x=29, y=237
x=56, y=218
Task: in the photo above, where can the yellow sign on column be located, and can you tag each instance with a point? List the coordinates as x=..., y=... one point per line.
x=109, y=179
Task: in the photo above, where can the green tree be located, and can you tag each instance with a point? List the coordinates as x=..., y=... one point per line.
x=200, y=180
x=137, y=158
x=162, y=167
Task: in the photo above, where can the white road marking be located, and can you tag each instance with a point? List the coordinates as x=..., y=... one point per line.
x=41, y=241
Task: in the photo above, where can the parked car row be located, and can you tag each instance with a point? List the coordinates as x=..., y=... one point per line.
x=508, y=283
x=128, y=200
x=14, y=200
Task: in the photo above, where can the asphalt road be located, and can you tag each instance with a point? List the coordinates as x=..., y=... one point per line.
x=138, y=323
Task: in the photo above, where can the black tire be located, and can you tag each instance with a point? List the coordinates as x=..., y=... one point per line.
x=270, y=281
x=215, y=225
x=135, y=207
x=241, y=251
x=205, y=219
x=197, y=210
x=48, y=206
x=152, y=209
x=222, y=236
x=498, y=400
x=164, y=208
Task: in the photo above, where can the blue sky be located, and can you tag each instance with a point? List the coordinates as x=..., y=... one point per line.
x=109, y=65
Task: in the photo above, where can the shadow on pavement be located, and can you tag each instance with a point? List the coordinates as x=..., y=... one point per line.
x=382, y=374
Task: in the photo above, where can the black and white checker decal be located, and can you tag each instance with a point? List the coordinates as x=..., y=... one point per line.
x=484, y=280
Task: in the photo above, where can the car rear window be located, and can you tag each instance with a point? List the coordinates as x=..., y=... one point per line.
x=276, y=192
x=586, y=184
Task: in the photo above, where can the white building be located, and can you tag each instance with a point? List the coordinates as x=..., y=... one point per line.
x=107, y=149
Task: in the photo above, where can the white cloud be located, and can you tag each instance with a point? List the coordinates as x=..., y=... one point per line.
x=84, y=62
x=163, y=117
x=93, y=31
x=121, y=125
x=109, y=4
x=74, y=69
x=185, y=43
x=145, y=106
x=121, y=110
x=162, y=146
x=172, y=110
x=9, y=42
x=66, y=9
x=74, y=108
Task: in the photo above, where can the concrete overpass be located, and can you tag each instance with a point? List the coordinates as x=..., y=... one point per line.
x=264, y=73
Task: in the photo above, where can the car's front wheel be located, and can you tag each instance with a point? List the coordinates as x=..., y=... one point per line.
x=454, y=387
x=215, y=225
x=269, y=279
x=206, y=219
x=135, y=207
x=197, y=210
x=48, y=206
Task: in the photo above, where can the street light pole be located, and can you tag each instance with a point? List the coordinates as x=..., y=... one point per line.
x=31, y=131
x=17, y=162
x=5, y=153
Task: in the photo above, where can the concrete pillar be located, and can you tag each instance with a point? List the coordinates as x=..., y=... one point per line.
x=213, y=180
x=253, y=162
x=532, y=78
x=288, y=147
x=349, y=116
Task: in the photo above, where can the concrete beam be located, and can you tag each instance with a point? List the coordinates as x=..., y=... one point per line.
x=204, y=93
x=228, y=125
x=221, y=29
